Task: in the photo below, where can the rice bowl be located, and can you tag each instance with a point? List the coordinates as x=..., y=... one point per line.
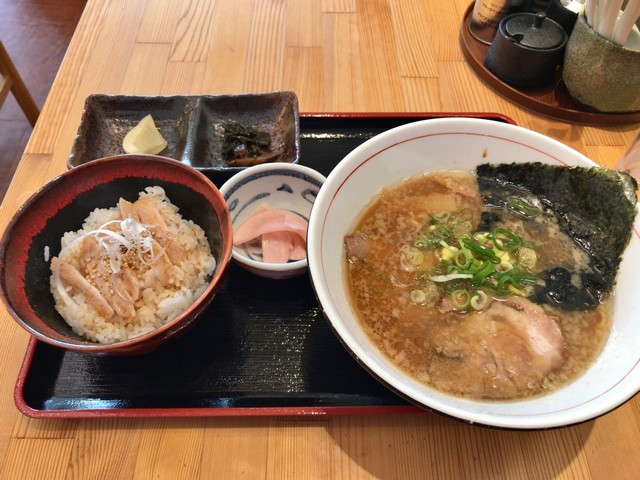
x=33, y=237
x=155, y=301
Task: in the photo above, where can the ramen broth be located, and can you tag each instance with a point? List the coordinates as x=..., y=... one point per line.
x=508, y=347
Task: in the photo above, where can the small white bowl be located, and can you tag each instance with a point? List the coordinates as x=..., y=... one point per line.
x=462, y=144
x=292, y=187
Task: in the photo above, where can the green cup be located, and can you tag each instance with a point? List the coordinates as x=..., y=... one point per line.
x=599, y=74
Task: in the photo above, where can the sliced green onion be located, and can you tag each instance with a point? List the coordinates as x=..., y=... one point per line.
x=418, y=297
x=520, y=277
x=432, y=293
x=414, y=256
x=428, y=295
x=483, y=273
x=463, y=258
x=462, y=228
x=504, y=239
x=476, y=266
x=472, y=260
x=480, y=300
x=509, y=282
x=504, y=267
x=481, y=237
x=447, y=255
x=481, y=251
x=460, y=298
x=502, y=280
x=516, y=291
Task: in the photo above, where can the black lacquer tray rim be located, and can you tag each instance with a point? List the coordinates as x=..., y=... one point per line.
x=26, y=368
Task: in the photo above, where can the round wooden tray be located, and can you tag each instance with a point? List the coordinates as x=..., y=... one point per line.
x=553, y=101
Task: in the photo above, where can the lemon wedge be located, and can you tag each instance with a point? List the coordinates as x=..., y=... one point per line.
x=144, y=138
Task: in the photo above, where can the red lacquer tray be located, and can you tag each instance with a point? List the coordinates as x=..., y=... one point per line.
x=263, y=347
x=553, y=101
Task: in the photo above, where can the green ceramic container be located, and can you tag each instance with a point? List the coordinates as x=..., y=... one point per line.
x=599, y=74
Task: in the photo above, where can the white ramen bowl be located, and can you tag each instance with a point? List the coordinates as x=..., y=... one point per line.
x=462, y=144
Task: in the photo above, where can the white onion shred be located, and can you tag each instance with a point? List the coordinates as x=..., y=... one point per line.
x=140, y=237
x=453, y=276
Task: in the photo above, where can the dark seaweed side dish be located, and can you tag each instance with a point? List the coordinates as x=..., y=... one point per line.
x=494, y=284
x=245, y=145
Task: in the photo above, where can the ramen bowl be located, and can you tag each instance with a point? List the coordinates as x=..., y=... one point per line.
x=462, y=144
x=34, y=235
x=290, y=187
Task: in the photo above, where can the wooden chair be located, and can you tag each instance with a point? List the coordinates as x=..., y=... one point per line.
x=10, y=80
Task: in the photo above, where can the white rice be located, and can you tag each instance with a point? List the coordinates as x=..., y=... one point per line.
x=157, y=303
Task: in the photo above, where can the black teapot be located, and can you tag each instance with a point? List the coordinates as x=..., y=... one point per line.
x=527, y=50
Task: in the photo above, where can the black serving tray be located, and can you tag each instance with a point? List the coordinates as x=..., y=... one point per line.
x=263, y=347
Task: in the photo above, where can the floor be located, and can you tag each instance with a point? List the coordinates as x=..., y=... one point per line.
x=36, y=34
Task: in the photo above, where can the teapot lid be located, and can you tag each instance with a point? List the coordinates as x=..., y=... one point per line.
x=534, y=30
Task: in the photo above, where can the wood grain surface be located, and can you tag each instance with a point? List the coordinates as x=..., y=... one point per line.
x=338, y=56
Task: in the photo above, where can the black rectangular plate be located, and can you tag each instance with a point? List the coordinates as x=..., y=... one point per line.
x=189, y=125
x=262, y=348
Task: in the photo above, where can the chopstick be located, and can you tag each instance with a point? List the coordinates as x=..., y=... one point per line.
x=604, y=17
x=591, y=12
x=609, y=18
x=626, y=22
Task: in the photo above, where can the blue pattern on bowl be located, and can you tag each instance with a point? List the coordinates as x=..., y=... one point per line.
x=288, y=187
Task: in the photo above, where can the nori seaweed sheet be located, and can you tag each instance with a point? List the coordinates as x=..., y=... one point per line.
x=595, y=206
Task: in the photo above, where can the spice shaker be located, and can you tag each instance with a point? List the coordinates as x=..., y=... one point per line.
x=487, y=14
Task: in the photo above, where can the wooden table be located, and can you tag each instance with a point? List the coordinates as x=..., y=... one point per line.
x=338, y=56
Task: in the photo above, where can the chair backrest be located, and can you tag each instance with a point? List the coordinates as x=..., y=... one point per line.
x=5, y=81
x=10, y=80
